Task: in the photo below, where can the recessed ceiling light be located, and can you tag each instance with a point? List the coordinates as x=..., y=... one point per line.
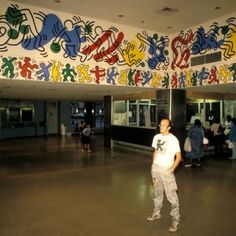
x=168, y=11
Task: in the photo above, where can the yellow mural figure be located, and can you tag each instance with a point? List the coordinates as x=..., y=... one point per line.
x=156, y=80
x=122, y=79
x=188, y=76
x=229, y=45
x=83, y=74
x=56, y=77
x=132, y=54
x=224, y=74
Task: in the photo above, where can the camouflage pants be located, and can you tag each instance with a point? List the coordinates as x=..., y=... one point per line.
x=164, y=181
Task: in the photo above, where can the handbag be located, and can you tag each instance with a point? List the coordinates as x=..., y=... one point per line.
x=230, y=145
x=187, y=145
x=205, y=141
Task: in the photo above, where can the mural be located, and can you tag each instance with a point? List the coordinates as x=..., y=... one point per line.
x=78, y=40
x=89, y=53
x=56, y=71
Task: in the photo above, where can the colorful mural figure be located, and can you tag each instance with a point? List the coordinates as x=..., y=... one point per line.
x=8, y=67
x=44, y=73
x=213, y=76
x=206, y=41
x=27, y=68
x=229, y=32
x=157, y=50
x=181, y=48
x=56, y=76
x=83, y=74
x=68, y=72
x=111, y=75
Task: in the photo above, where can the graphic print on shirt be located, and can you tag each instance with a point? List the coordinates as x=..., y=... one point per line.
x=161, y=145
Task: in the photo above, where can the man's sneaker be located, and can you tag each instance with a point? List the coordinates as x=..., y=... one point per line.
x=153, y=217
x=173, y=228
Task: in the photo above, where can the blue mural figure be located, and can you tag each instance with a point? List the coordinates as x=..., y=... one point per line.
x=182, y=79
x=194, y=78
x=68, y=72
x=43, y=74
x=147, y=77
x=232, y=69
x=8, y=67
x=71, y=40
x=166, y=81
x=130, y=77
x=156, y=51
x=111, y=75
x=67, y=36
x=206, y=41
x=203, y=75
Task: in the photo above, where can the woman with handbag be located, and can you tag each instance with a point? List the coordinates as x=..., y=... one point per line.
x=196, y=136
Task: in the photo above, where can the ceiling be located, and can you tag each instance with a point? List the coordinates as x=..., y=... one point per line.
x=176, y=16
x=147, y=14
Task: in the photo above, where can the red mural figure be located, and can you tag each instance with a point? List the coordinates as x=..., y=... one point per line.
x=181, y=50
x=99, y=74
x=213, y=76
x=26, y=68
x=174, y=80
x=137, y=78
x=109, y=55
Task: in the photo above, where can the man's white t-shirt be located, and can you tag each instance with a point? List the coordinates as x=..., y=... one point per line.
x=167, y=146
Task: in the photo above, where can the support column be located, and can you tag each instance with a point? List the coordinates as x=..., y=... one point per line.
x=107, y=121
x=171, y=103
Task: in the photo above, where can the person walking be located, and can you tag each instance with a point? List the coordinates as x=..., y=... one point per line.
x=86, y=138
x=166, y=158
x=196, y=136
x=232, y=138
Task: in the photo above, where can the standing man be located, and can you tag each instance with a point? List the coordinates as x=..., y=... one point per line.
x=166, y=158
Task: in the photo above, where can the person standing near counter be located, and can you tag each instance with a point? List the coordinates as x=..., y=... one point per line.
x=232, y=138
x=196, y=135
x=166, y=158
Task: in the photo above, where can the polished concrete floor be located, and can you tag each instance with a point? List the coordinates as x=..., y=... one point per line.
x=49, y=187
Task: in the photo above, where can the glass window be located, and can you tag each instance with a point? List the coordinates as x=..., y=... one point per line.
x=132, y=113
x=144, y=116
x=98, y=116
x=138, y=113
x=153, y=115
x=14, y=114
x=3, y=116
x=120, y=114
x=27, y=114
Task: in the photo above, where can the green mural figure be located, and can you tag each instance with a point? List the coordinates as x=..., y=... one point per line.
x=8, y=67
x=130, y=77
x=68, y=72
x=194, y=78
x=166, y=81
